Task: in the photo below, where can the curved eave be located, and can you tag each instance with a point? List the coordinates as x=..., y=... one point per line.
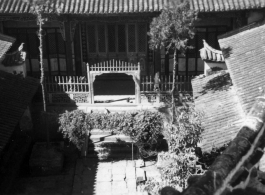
x=208, y=53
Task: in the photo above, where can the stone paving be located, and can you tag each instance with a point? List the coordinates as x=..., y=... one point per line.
x=111, y=178
x=88, y=176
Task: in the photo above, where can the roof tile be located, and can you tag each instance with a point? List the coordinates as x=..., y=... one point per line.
x=214, y=95
x=16, y=94
x=244, y=56
x=128, y=6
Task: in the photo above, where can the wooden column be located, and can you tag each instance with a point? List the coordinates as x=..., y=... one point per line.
x=69, y=52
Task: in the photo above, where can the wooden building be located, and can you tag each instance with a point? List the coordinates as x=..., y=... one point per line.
x=94, y=31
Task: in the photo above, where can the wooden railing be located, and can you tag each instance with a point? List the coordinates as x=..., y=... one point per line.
x=113, y=66
x=79, y=89
x=183, y=83
x=66, y=84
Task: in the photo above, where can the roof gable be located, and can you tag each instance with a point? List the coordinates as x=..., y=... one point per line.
x=244, y=53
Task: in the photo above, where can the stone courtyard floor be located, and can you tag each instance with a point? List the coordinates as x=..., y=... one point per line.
x=88, y=176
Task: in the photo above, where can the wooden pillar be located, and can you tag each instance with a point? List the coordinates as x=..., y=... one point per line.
x=69, y=52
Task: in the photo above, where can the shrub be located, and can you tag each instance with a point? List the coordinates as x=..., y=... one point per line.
x=180, y=161
x=144, y=127
x=74, y=126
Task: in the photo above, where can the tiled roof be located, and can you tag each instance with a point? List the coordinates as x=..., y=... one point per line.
x=222, y=115
x=128, y=6
x=5, y=44
x=16, y=94
x=244, y=54
x=210, y=54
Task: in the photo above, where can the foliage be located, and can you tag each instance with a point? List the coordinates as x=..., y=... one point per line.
x=144, y=127
x=74, y=126
x=183, y=136
x=180, y=161
x=173, y=27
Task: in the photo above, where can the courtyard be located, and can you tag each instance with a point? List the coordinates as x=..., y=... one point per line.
x=88, y=176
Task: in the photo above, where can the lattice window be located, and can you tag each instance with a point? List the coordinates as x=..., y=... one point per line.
x=212, y=40
x=111, y=38
x=121, y=38
x=101, y=38
x=44, y=46
x=61, y=43
x=52, y=42
x=34, y=51
x=200, y=37
x=142, y=37
x=23, y=39
x=131, y=38
x=84, y=45
x=91, y=38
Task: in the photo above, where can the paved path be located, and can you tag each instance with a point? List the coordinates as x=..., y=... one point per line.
x=108, y=178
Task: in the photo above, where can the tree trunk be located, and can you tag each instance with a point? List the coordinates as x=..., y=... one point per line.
x=42, y=78
x=174, y=85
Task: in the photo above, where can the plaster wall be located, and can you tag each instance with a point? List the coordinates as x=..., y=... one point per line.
x=209, y=65
x=255, y=16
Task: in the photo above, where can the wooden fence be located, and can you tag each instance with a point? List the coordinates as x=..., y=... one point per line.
x=66, y=84
x=67, y=89
x=183, y=83
x=113, y=66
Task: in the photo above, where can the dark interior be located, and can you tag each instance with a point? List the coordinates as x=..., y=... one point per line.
x=114, y=84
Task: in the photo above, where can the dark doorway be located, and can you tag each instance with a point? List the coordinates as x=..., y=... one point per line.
x=114, y=84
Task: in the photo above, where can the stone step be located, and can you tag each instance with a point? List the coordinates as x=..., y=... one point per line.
x=100, y=132
x=113, y=146
x=106, y=156
x=111, y=150
x=110, y=138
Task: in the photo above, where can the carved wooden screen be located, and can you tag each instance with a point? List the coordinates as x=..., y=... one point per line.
x=114, y=66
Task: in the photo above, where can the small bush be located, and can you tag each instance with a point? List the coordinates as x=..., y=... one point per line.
x=74, y=126
x=180, y=161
